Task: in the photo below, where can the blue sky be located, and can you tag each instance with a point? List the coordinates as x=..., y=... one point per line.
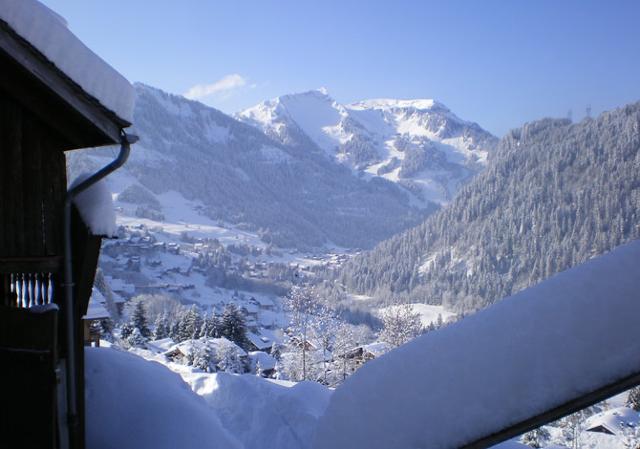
x=499, y=63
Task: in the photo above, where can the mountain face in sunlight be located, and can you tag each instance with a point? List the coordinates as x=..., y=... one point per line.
x=418, y=144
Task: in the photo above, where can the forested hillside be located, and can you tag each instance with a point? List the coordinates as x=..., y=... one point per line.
x=554, y=195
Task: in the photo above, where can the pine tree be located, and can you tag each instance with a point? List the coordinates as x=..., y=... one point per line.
x=136, y=339
x=233, y=326
x=210, y=327
x=139, y=320
x=125, y=330
x=190, y=324
x=161, y=328
x=174, y=331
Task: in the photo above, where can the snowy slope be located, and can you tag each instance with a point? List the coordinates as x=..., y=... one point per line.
x=133, y=403
x=548, y=344
x=419, y=144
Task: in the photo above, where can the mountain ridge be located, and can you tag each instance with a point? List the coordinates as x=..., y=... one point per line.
x=419, y=144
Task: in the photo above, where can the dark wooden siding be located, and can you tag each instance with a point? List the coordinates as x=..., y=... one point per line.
x=32, y=184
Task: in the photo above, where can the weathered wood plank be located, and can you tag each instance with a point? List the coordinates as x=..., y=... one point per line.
x=13, y=192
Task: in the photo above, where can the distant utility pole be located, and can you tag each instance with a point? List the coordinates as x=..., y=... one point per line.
x=588, y=111
x=570, y=115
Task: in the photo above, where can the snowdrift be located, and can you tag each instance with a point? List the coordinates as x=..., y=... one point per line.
x=134, y=404
x=261, y=413
x=540, y=348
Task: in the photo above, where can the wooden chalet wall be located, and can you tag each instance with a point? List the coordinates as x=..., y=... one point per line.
x=33, y=183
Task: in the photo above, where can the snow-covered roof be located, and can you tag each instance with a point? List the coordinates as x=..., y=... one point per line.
x=259, y=341
x=96, y=207
x=162, y=345
x=377, y=349
x=96, y=309
x=186, y=346
x=49, y=34
x=491, y=370
x=614, y=420
x=266, y=360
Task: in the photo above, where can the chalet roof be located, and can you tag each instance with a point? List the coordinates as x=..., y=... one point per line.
x=96, y=309
x=48, y=69
x=259, y=341
x=267, y=362
x=614, y=420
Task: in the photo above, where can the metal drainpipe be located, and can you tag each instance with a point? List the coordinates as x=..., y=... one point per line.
x=125, y=142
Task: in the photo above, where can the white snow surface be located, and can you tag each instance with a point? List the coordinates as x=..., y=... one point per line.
x=548, y=344
x=95, y=205
x=48, y=32
x=428, y=313
x=615, y=420
x=261, y=413
x=97, y=306
x=134, y=404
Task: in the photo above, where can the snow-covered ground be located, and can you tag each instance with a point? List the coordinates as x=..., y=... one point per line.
x=429, y=314
x=136, y=402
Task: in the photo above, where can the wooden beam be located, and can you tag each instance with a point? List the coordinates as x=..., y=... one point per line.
x=30, y=264
x=556, y=413
x=105, y=125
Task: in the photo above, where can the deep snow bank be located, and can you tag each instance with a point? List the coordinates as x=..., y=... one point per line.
x=263, y=414
x=541, y=347
x=133, y=403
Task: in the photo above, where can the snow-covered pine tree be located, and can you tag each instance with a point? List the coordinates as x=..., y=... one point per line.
x=210, y=326
x=139, y=320
x=161, y=327
x=125, y=330
x=233, y=326
x=190, y=324
x=136, y=339
x=174, y=330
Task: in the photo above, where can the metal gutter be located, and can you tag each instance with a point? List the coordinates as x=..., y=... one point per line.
x=125, y=147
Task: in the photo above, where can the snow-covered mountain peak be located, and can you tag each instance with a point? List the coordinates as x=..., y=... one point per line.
x=390, y=103
x=419, y=144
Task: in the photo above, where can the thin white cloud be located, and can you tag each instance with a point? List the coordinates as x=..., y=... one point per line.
x=224, y=85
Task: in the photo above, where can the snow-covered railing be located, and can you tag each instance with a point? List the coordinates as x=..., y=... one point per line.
x=28, y=282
